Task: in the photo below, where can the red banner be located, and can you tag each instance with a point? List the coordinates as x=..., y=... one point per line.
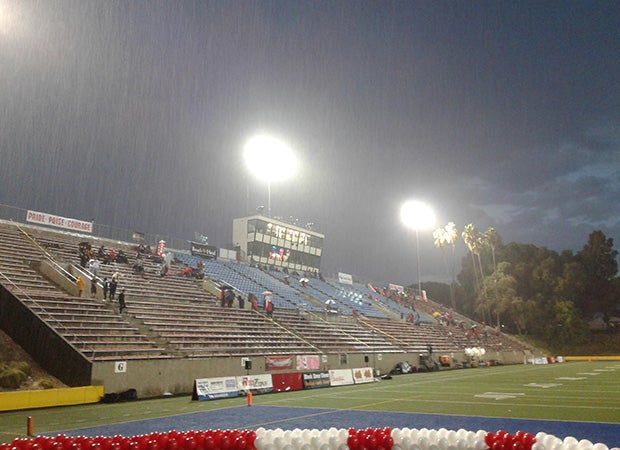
x=279, y=362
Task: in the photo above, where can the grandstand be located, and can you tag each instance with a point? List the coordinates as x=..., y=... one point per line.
x=175, y=329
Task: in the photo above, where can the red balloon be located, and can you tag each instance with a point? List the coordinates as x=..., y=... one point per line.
x=209, y=443
x=489, y=439
x=353, y=442
x=497, y=445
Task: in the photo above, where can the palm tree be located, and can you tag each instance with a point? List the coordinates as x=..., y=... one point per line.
x=493, y=240
x=452, y=235
x=473, y=240
x=443, y=236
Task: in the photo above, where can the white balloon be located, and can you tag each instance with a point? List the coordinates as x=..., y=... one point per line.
x=279, y=442
x=569, y=440
x=600, y=446
x=315, y=442
x=260, y=443
x=396, y=435
x=538, y=446
x=584, y=444
x=479, y=444
x=442, y=443
x=406, y=442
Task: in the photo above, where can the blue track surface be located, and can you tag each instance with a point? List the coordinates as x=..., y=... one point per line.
x=288, y=418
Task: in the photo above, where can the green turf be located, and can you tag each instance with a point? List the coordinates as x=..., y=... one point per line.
x=578, y=391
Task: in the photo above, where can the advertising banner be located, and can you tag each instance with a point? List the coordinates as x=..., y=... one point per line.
x=284, y=382
x=59, y=222
x=308, y=362
x=212, y=388
x=257, y=384
x=340, y=377
x=363, y=375
x=345, y=278
x=279, y=362
x=313, y=380
x=203, y=250
x=396, y=287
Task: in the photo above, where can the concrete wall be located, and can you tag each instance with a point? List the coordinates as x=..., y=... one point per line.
x=48, y=348
x=157, y=377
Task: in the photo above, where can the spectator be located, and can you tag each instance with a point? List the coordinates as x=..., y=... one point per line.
x=241, y=301
x=230, y=298
x=79, y=282
x=269, y=306
x=113, y=286
x=93, y=266
x=253, y=301
x=93, y=287
x=106, y=288
x=121, y=301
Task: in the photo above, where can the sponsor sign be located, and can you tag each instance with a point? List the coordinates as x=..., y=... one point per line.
x=203, y=250
x=284, y=382
x=278, y=362
x=137, y=236
x=345, y=278
x=59, y=222
x=257, y=384
x=538, y=360
x=396, y=287
x=363, y=375
x=340, y=377
x=308, y=362
x=212, y=388
x=314, y=380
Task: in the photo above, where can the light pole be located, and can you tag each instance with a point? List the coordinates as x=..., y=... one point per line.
x=270, y=160
x=418, y=216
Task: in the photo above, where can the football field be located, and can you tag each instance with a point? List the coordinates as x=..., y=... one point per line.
x=580, y=399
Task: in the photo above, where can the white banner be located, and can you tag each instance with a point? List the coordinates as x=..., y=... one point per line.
x=258, y=384
x=58, y=221
x=396, y=287
x=363, y=375
x=212, y=388
x=340, y=377
x=345, y=278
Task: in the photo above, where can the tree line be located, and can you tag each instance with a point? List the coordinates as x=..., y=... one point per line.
x=525, y=289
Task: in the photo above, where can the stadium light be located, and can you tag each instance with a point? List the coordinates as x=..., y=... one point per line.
x=270, y=160
x=418, y=216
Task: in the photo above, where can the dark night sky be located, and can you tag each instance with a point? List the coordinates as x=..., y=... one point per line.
x=498, y=113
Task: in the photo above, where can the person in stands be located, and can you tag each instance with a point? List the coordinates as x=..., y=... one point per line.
x=79, y=282
x=106, y=288
x=114, y=284
x=93, y=287
x=121, y=301
x=241, y=301
x=253, y=301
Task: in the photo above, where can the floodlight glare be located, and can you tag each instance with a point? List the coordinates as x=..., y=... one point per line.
x=269, y=159
x=417, y=215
